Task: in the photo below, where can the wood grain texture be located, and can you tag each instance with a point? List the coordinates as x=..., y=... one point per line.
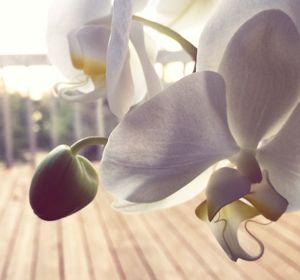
x=99, y=243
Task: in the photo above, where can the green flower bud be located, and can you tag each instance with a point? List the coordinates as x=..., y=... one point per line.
x=63, y=184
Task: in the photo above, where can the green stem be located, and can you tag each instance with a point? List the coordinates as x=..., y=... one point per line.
x=92, y=140
x=186, y=45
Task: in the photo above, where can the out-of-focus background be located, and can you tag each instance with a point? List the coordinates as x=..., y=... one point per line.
x=97, y=242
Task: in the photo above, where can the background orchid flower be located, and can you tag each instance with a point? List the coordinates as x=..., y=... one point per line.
x=246, y=112
x=101, y=52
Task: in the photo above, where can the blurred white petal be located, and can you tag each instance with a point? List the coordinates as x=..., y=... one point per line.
x=166, y=142
x=117, y=51
x=63, y=17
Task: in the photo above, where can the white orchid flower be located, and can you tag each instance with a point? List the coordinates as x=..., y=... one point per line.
x=101, y=52
x=246, y=111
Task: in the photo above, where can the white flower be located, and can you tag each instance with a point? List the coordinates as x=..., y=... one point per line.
x=247, y=111
x=100, y=53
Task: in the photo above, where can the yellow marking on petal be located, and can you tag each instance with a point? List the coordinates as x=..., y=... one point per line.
x=93, y=68
x=77, y=61
x=90, y=66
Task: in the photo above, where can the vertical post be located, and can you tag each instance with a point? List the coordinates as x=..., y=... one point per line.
x=30, y=131
x=77, y=121
x=53, y=121
x=7, y=126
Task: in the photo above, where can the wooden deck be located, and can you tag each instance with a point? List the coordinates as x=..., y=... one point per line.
x=99, y=243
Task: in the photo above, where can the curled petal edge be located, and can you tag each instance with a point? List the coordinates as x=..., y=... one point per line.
x=225, y=229
x=77, y=91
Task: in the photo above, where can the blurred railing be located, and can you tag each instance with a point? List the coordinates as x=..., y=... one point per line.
x=34, y=119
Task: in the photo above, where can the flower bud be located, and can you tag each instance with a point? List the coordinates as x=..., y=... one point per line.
x=62, y=184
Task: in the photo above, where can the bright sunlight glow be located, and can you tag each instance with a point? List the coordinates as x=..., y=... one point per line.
x=23, y=26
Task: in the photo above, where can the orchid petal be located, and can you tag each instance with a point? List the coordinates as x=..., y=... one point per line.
x=75, y=50
x=281, y=158
x=61, y=21
x=166, y=142
x=227, y=18
x=225, y=228
x=266, y=200
x=117, y=51
x=123, y=97
x=138, y=41
x=140, y=86
x=225, y=186
x=261, y=67
x=184, y=194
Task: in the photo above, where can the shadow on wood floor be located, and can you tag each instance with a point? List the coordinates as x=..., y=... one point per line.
x=99, y=243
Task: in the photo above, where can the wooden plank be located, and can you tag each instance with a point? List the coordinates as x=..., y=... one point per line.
x=60, y=250
x=10, y=224
x=22, y=255
x=161, y=260
x=137, y=248
x=75, y=262
x=109, y=240
x=98, y=248
x=131, y=263
x=47, y=263
x=191, y=265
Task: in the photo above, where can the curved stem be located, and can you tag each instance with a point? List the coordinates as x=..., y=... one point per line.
x=186, y=45
x=92, y=140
